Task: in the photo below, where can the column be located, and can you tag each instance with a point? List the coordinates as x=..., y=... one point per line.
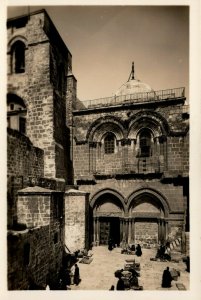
x=129, y=231
x=121, y=230
x=159, y=231
x=126, y=225
x=166, y=230
x=124, y=230
x=97, y=231
x=94, y=231
x=133, y=231
x=162, y=230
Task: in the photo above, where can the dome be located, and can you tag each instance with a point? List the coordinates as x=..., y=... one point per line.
x=133, y=86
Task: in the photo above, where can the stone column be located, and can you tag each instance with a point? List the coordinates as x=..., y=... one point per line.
x=126, y=229
x=97, y=231
x=133, y=230
x=162, y=230
x=129, y=231
x=166, y=230
x=94, y=231
x=121, y=230
x=159, y=230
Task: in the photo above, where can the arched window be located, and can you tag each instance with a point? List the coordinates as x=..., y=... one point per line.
x=145, y=143
x=18, y=57
x=109, y=143
x=16, y=113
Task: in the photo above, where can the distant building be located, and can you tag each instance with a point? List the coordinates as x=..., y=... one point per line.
x=81, y=173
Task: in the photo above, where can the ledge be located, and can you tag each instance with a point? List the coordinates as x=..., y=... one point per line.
x=73, y=192
x=35, y=190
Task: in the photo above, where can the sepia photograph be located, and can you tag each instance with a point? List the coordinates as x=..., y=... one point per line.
x=98, y=152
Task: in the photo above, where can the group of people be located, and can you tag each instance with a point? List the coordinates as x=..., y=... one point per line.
x=66, y=278
x=163, y=253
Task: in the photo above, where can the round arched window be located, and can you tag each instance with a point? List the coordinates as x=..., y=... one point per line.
x=18, y=57
x=109, y=142
x=145, y=143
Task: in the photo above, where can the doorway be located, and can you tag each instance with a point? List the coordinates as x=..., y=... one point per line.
x=109, y=229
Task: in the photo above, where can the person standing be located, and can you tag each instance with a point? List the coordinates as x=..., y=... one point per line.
x=120, y=284
x=166, y=278
x=138, y=251
x=76, y=275
x=110, y=245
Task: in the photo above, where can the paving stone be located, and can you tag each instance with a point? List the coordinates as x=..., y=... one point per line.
x=99, y=274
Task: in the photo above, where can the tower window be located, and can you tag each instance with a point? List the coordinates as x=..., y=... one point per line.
x=22, y=125
x=145, y=143
x=18, y=57
x=26, y=254
x=109, y=143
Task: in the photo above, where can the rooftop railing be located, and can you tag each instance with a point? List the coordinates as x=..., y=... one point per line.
x=137, y=98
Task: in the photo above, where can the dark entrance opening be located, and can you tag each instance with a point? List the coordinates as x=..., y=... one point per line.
x=109, y=229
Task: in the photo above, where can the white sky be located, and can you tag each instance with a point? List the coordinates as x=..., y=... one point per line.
x=104, y=40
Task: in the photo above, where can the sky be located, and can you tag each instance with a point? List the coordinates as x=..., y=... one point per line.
x=105, y=40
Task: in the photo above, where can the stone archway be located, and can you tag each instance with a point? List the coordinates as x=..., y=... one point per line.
x=148, y=217
x=108, y=210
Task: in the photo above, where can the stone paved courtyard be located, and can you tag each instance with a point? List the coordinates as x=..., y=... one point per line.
x=99, y=274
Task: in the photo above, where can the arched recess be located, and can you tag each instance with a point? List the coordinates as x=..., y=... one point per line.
x=16, y=50
x=156, y=127
x=98, y=134
x=148, y=211
x=100, y=194
x=155, y=196
x=103, y=124
x=148, y=119
x=16, y=113
x=108, y=210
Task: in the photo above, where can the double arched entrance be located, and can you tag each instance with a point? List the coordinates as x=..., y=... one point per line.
x=141, y=218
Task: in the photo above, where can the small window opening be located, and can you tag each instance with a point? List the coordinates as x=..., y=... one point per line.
x=18, y=57
x=145, y=143
x=109, y=142
x=26, y=254
x=56, y=238
x=22, y=125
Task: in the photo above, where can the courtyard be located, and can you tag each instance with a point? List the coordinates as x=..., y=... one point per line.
x=99, y=274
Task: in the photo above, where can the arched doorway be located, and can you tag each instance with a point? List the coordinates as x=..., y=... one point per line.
x=148, y=215
x=107, y=212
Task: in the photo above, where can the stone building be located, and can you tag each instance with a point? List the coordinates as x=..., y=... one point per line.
x=131, y=155
x=83, y=172
x=39, y=165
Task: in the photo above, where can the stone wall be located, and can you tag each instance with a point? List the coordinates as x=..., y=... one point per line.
x=167, y=156
x=24, y=162
x=35, y=254
x=76, y=220
x=43, y=88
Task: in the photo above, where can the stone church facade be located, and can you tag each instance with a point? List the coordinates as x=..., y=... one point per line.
x=80, y=173
x=131, y=154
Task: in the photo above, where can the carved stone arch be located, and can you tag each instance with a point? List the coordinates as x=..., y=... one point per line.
x=153, y=194
x=97, y=195
x=103, y=125
x=16, y=98
x=152, y=120
x=16, y=39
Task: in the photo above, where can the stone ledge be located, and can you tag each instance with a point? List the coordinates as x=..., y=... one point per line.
x=33, y=190
x=73, y=192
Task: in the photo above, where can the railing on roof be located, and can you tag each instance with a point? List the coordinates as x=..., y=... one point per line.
x=153, y=96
